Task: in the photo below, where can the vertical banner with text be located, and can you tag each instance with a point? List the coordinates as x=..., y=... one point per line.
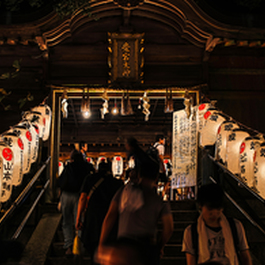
x=184, y=153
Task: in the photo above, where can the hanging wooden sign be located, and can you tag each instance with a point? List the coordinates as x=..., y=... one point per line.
x=126, y=57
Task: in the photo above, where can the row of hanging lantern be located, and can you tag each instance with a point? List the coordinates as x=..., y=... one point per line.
x=117, y=165
x=19, y=147
x=126, y=106
x=243, y=154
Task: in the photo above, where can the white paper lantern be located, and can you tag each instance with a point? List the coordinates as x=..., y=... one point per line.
x=46, y=112
x=34, y=130
x=100, y=159
x=26, y=137
x=168, y=167
x=259, y=170
x=220, y=146
x=201, y=109
x=6, y=171
x=60, y=168
x=38, y=119
x=208, y=134
x=90, y=160
x=234, y=141
x=15, y=143
x=246, y=161
x=117, y=166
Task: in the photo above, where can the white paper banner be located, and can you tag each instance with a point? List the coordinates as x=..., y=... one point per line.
x=184, y=153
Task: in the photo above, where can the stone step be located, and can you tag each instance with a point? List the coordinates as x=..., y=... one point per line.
x=177, y=224
x=185, y=215
x=173, y=250
x=77, y=260
x=170, y=250
x=176, y=237
x=73, y=260
x=173, y=261
x=183, y=205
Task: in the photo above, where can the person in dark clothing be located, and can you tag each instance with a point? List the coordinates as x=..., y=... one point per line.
x=137, y=208
x=96, y=195
x=70, y=183
x=83, y=148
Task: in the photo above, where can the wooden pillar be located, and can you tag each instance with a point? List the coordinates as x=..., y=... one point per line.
x=55, y=142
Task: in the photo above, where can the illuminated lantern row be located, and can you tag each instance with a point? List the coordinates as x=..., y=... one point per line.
x=259, y=170
x=243, y=155
x=221, y=141
x=201, y=109
x=117, y=165
x=22, y=140
x=6, y=171
x=213, y=119
x=246, y=162
x=234, y=141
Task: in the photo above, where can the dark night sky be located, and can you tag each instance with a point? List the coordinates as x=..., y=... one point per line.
x=247, y=13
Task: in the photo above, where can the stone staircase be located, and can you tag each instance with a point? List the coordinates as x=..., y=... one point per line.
x=184, y=213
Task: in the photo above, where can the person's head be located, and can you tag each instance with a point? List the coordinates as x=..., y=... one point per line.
x=76, y=156
x=210, y=200
x=104, y=168
x=131, y=144
x=160, y=138
x=149, y=170
x=83, y=146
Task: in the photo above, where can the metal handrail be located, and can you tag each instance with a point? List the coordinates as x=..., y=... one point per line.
x=23, y=223
x=24, y=193
x=238, y=180
x=241, y=210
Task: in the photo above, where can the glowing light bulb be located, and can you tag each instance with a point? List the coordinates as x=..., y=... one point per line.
x=86, y=114
x=115, y=110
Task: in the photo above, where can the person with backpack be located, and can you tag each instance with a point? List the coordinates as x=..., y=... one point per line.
x=160, y=147
x=214, y=237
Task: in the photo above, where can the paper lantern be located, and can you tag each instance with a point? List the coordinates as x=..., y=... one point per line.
x=117, y=166
x=34, y=130
x=90, y=160
x=234, y=141
x=26, y=137
x=38, y=119
x=201, y=109
x=168, y=167
x=15, y=143
x=100, y=159
x=220, y=146
x=246, y=162
x=259, y=170
x=46, y=112
x=6, y=171
x=209, y=132
x=60, y=168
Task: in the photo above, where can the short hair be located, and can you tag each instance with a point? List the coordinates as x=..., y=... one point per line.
x=211, y=195
x=149, y=170
x=76, y=156
x=159, y=136
x=132, y=142
x=81, y=144
x=104, y=167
